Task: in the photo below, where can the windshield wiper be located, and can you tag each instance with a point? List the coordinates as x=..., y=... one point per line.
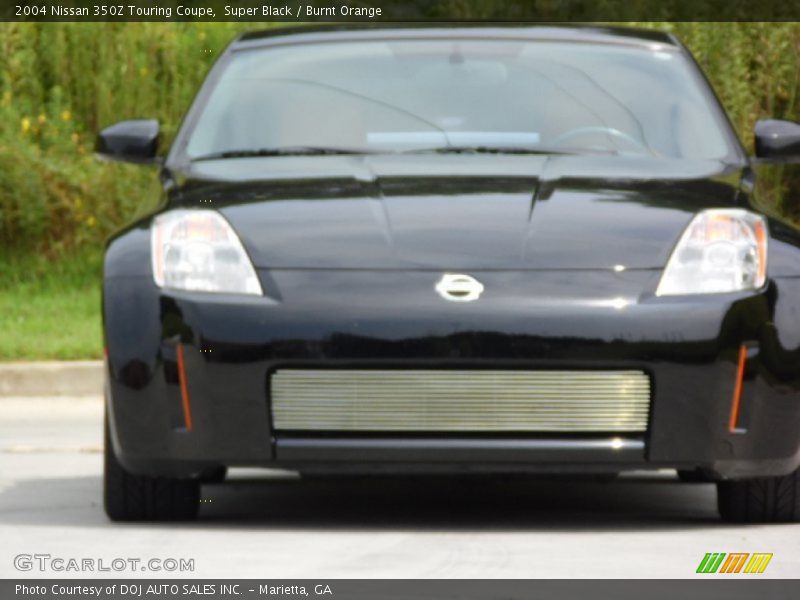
x=330, y=151
x=503, y=150
x=282, y=151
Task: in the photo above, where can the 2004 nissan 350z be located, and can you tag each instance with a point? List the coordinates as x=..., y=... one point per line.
x=430, y=250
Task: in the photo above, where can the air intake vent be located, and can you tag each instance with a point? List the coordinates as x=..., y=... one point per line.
x=460, y=400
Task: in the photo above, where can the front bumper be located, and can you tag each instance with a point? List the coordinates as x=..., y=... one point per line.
x=229, y=346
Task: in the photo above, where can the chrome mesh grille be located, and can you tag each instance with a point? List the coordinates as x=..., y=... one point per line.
x=459, y=400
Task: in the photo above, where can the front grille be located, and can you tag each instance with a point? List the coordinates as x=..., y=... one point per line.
x=459, y=400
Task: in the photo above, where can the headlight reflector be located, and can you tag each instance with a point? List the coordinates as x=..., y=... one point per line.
x=722, y=250
x=198, y=250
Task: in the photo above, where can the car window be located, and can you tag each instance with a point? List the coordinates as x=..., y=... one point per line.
x=413, y=95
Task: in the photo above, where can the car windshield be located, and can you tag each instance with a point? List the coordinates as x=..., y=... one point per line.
x=460, y=96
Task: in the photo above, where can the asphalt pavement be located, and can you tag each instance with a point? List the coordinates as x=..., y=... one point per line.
x=273, y=525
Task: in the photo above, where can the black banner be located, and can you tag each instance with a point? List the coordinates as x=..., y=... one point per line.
x=399, y=10
x=393, y=589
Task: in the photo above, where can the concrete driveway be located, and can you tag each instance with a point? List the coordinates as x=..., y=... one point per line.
x=274, y=525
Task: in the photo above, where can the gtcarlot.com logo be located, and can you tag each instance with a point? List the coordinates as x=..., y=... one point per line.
x=734, y=562
x=60, y=564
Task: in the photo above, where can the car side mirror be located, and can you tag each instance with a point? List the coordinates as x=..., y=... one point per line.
x=133, y=141
x=778, y=140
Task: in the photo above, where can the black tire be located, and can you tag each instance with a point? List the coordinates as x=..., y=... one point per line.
x=605, y=477
x=214, y=474
x=763, y=500
x=130, y=497
x=693, y=476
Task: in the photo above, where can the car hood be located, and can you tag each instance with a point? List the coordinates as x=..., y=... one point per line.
x=458, y=212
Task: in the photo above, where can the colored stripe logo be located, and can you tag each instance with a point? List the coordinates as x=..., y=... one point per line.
x=734, y=562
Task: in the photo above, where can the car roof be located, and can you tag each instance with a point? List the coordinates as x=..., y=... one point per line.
x=627, y=36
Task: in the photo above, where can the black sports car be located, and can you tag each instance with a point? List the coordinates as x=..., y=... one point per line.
x=422, y=250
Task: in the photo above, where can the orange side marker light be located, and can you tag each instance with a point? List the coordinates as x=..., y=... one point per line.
x=737, y=390
x=187, y=406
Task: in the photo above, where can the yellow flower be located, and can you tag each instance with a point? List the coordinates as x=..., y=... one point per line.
x=66, y=116
x=26, y=125
x=75, y=137
x=42, y=119
x=91, y=221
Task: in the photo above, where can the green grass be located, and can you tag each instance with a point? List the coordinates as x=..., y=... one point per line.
x=50, y=310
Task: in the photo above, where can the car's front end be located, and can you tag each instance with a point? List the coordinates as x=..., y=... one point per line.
x=455, y=309
x=362, y=367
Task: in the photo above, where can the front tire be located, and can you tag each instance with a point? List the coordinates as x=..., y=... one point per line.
x=693, y=476
x=213, y=474
x=762, y=500
x=130, y=497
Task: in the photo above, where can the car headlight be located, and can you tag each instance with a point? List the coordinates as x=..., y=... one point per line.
x=722, y=250
x=197, y=250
